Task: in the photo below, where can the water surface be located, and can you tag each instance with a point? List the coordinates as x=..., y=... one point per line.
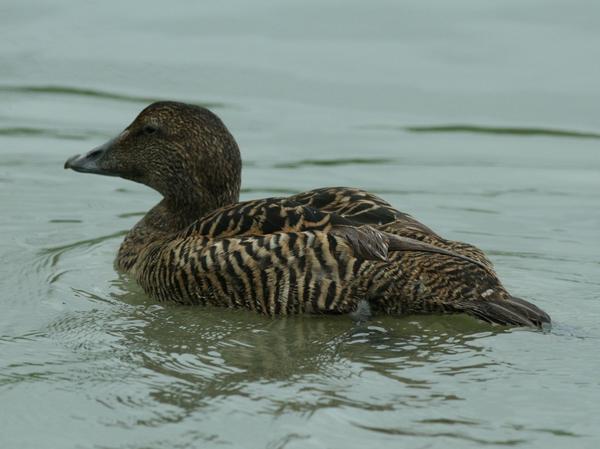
x=479, y=119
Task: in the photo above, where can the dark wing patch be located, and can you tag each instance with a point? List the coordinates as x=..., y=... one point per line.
x=262, y=217
x=366, y=242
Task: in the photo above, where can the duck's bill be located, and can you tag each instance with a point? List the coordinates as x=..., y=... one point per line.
x=91, y=162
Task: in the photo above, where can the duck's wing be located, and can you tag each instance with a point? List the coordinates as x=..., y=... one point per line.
x=275, y=215
x=358, y=205
x=263, y=217
x=362, y=207
x=309, y=210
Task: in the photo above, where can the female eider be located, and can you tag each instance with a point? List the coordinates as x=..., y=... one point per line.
x=321, y=251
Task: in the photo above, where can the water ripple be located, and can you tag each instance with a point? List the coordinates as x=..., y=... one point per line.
x=50, y=257
x=50, y=133
x=511, y=131
x=95, y=93
x=453, y=435
x=334, y=162
x=495, y=130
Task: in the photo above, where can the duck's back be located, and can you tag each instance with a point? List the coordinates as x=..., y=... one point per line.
x=363, y=207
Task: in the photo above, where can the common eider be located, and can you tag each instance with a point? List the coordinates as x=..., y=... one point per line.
x=322, y=251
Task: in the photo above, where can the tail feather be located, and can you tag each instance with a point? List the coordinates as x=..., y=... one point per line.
x=512, y=311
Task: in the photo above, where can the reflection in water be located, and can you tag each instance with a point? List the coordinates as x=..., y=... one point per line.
x=186, y=359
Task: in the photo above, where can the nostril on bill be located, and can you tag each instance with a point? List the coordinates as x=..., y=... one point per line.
x=94, y=154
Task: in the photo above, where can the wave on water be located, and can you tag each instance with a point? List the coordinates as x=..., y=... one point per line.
x=495, y=130
x=97, y=93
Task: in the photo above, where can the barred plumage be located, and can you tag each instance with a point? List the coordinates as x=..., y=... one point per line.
x=321, y=251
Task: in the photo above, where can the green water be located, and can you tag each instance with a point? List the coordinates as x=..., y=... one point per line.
x=479, y=118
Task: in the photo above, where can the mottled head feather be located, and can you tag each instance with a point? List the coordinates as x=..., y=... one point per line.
x=183, y=151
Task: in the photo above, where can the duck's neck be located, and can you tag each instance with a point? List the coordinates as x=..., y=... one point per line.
x=164, y=220
x=169, y=217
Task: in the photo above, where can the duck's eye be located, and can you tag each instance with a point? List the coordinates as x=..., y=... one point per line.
x=149, y=129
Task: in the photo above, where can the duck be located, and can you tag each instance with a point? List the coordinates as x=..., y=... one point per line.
x=331, y=250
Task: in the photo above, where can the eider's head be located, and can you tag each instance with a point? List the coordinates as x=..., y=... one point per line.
x=183, y=151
